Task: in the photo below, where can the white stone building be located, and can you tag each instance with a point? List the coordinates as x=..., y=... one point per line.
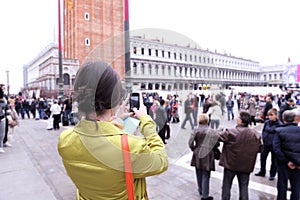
x=43, y=73
x=157, y=65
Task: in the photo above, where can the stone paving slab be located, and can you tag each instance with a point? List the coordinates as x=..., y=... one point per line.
x=32, y=169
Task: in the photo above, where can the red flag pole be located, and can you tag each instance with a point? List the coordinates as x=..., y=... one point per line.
x=60, y=81
x=127, y=46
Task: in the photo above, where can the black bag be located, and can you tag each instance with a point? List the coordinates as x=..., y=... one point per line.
x=65, y=121
x=217, y=153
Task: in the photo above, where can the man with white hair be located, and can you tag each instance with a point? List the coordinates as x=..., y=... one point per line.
x=297, y=117
x=286, y=146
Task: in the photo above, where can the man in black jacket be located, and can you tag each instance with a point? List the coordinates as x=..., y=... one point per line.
x=286, y=145
x=288, y=105
x=267, y=107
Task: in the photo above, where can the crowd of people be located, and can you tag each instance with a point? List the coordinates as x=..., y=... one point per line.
x=92, y=146
x=280, y=136
x=14, y=108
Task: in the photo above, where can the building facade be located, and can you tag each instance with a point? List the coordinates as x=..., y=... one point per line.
x=272, y=75
x=42, y=73
x=156, y=65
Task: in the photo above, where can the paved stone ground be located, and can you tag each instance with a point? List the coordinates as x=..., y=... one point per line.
x=32, y=169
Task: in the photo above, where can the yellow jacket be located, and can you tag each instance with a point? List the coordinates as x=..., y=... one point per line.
x=92, y=155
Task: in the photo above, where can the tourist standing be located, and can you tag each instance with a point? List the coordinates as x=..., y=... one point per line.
x=286, y=145
x=229, y=106
x=202, y=142
x=268, y=133
x=188, y=112
x=238, y=157
x=55, y=112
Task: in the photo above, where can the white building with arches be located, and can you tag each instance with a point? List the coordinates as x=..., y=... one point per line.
x=158, y=65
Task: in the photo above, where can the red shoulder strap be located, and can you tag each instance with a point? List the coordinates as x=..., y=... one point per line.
x=127, y=167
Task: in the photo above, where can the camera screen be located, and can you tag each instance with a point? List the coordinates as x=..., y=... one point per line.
x=134, y=102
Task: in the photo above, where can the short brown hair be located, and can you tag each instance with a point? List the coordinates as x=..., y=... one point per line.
x=245, y=117
x=272, y=111
x=203, y=119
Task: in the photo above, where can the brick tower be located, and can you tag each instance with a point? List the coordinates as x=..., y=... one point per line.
x=93, y=30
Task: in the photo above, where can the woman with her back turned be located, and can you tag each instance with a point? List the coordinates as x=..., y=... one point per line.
x=201, y=142
x=92, y=152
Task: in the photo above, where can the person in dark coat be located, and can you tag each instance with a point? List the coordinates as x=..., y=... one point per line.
x=33, y=107
x=188, y=112
x=238, y=157
x=288, y=105
x=286, y=145
x=201, y=142
x=267, y=107
x=161, y=120
x=268, y=132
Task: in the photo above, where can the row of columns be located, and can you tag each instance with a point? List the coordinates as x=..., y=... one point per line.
x=141, y=69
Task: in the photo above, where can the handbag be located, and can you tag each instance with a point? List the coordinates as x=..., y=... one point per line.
x=127, y=167
x=217, y=153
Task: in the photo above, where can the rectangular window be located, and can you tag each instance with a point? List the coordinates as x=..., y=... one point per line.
x=150, y=69
x=87, y=42
x=134, y=50
x=163, y=53
x=149, y=52
x=169, y=54
x=143, y=68
x=142, y=51
x=86, y=16
x=156, y=53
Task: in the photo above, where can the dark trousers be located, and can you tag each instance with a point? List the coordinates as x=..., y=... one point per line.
x=168, y=131
x=285, y=174
x=56, y=119
x=187, y=118
x=263, y=158
x=203, y=182
x=23, y=111
x=162, y=133
x=243, y=179
x=33, y=113
x=253, y=120
x=6, y=131
x=195, y=116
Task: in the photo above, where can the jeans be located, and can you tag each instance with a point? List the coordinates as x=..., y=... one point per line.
x=243, y=179
x=2, y=131
x=214, y=123
x=203, y=182
x=68, y=114
x=41, y=113
x=285, y=174
x=263, y=158
x=230, y=110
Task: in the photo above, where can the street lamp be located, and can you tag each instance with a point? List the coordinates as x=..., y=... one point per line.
x=7, y=75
